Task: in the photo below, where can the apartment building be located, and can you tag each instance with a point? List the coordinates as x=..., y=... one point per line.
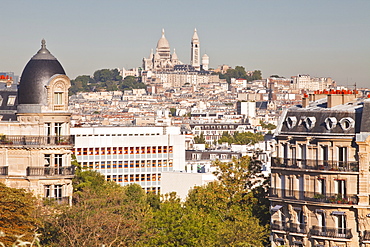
x=35, y=144
x=320, y=173
x=130, y=154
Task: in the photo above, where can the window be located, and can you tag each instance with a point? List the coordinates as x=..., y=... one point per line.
x=342, y=156
x=321, y=219
x=321, y=186
x=58, y=98
x=47, y=158
x=11, y=100
x=341, y=224
x=47, y=192
x=58, y=160
x=340, y=187
x=58, y=191
x=58, y=129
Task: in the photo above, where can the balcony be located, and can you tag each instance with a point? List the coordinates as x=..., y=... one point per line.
x=278, y=225
x=3, y=170
x=334, y=198
x=366, y=236
x=331, y=232
x=297, y=228
x=51, y=171
x=324, y=165
x=56, y=200
x=19, y=140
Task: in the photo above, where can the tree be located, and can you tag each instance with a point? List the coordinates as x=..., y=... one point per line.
x=231, y=200
x=130, y=82
x=256, y=75
x=199, y=139
x=176, y=225
x=245, y=138
x=268, y=126
x=17, y=215
x=103, y=213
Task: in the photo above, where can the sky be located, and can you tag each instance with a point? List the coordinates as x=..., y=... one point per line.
x=322, y=38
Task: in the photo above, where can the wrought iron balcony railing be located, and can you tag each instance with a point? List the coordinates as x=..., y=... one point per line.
x=325, y=165
x=331, y=232
x=366, y=236
x=297, y=228
x=56, y=200
x=51, y=171
x=278, y=225
x=3, y=170
x=314, y=196
x=28, y=140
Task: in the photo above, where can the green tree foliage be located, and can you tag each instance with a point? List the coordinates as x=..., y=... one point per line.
x=176, y=225
x=17, y=215
x=102, y=80
x=228, y=212
x=82, y=83
x=256, y=75
x=237, y=138
x=268, y=126
x=199, y=139
x=239, y=72
x=103, y=213
x=130, y=82
x=231, y=201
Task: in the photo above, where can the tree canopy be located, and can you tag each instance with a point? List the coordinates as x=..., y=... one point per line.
x=104, y=80
x=245, y=138
x=17, y=215
x=239, y=72
x=230, y=211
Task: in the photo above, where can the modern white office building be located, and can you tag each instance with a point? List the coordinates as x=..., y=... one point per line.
x=131, y=154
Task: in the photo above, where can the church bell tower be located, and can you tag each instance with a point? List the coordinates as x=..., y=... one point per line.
x=195, y=51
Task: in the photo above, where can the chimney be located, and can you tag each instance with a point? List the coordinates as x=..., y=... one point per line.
x=341, y=97
x=305, y=101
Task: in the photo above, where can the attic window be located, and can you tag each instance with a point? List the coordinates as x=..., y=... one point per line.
x=291, y=122
x=330, y=123
x=309, y=122
x=11, y=100
x=347, y=123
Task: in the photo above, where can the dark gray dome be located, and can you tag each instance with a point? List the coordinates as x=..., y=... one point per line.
x=36, y=75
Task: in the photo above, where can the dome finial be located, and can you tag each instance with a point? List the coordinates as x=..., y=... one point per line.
x=43, y=43
x=162, y=32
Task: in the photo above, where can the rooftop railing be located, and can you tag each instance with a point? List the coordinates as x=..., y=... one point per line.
x=331, y=232
x=334, y=198
x=325, y=165
x=28, y=140
x=51, y=171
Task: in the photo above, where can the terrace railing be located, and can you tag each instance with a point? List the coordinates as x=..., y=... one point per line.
x=331, y=232
x=30, y=140
x=325, y=165
x=314, y=196
x=51, y=171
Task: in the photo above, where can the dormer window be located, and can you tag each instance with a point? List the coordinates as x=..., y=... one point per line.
x=11, y=100
x=309, y=122
x=291, y=122
x=347, y=123
x=330, y=123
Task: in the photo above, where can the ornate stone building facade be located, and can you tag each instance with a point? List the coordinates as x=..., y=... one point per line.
x=35, y=143
x=320, y=174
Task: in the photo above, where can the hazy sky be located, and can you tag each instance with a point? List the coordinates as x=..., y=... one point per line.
x=316, y=37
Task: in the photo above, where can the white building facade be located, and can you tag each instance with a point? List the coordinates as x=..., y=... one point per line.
x=129, y=155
